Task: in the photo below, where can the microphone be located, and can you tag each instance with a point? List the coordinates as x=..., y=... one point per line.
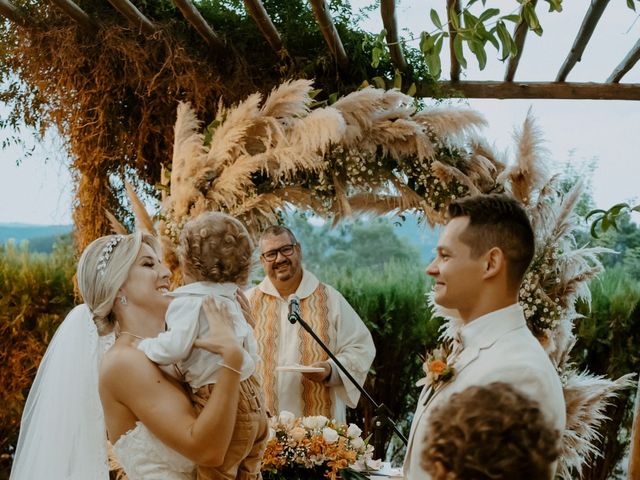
x=294, y=309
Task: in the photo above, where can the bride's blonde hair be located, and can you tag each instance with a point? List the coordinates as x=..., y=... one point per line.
x=103, y=268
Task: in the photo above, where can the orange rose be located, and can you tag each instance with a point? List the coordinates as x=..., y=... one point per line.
x=437, y=367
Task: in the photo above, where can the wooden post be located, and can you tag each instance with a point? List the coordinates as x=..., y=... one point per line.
x=634, y=454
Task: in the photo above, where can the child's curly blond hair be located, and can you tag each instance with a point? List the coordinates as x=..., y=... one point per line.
x=490, y=432
x=215, y=247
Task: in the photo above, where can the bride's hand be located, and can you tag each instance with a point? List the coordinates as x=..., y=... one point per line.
x=222, y=339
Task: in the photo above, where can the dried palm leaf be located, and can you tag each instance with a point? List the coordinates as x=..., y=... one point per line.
x=143, y=220
x=116, y=226
x=529, y=172
x=586, y=397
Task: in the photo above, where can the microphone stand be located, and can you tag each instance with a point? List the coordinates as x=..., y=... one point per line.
x=382, y=417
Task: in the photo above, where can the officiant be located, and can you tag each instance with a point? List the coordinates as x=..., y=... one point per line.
x=325, y=391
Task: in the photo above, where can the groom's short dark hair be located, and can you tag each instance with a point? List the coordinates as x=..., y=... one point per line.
x=497, y=220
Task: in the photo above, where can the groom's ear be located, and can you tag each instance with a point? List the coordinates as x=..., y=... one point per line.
x=494, y=262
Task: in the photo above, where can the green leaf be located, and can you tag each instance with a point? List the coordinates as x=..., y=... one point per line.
x=555, y=5
x=314, y=93
x=636, y=208
x=435, y=19
x=333, y=98
x=631, y=5
x=433, y=63
x=478, y=50
x=453, y=17
x=413, y=90
x=594, y=228
x=381, y=36
x=505, y=39
x=487, y=14
x=532, y=19
x=594, y=212
x=469, y=20
x=427, y=42
x=457, y=49
x=490, y=37
x=376, y=55
x=397, y=80
x=379, y=82
x=511, y=18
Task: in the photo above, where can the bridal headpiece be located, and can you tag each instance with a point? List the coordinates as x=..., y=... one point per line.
x=106, y=253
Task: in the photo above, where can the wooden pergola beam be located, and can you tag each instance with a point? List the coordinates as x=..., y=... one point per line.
x=321, y=11
x=627, y=64
x=531, y=90
x=135, y=16
x=453, y=8
x=197, y=21
x=256, y=9
x=390, y=22
x=75, y=12
x=11, y=12
x=519, y=36
x=589, y=22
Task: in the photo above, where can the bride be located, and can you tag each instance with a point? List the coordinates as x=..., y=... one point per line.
x=81, y=394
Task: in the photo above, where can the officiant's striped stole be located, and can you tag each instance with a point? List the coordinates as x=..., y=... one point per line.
x=316, y=397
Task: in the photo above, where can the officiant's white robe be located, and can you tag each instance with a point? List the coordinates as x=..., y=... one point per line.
x=497, y=347
x=349, y=340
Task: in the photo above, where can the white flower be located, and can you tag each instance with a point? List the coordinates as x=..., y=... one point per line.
x=357, y=443
x=315, y=422
x=353, y=431
x=329, y=435
x=286, y=418
x=375, y=464
x=272, y=434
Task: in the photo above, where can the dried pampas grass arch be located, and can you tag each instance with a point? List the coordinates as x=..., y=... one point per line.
x=374, y=151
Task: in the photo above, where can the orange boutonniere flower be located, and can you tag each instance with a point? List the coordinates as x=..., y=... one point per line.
x=437, y=368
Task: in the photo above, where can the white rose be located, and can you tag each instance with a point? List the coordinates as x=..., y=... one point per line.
x=329, y=435
x=272, y=434
x=353, y=431
x=357, y=443
x=321, y=421
x=286, y=418
x=309, y=422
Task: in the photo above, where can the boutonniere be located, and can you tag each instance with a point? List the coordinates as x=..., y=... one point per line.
x=438, y=368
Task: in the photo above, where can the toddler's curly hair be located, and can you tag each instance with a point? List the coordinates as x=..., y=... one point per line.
x=490, y=432
x=215, y=247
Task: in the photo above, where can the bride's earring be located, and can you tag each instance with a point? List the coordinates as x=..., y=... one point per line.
x=123, y=300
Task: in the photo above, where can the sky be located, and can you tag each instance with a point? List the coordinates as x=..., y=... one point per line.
x=40, y=190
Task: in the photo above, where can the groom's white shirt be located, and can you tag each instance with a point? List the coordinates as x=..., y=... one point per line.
x=497, y=347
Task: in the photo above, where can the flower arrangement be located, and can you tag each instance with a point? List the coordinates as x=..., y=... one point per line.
x=438, y=368
x=315, y=447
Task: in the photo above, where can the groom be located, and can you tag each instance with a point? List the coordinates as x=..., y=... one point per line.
x=482, y=256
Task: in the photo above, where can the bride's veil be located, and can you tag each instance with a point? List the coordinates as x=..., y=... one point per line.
x=62, y=433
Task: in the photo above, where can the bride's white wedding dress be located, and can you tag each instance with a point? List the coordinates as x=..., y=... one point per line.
x=144, y=457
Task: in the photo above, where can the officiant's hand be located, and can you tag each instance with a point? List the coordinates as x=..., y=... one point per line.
x=319, y=376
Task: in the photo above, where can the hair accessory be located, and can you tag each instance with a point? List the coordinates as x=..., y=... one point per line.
x=106, y=253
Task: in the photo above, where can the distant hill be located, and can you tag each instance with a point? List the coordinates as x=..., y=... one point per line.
x=41, y=237
x=421, y=236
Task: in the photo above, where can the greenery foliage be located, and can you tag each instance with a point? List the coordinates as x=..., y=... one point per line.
x=608, y=336
x=36, y=292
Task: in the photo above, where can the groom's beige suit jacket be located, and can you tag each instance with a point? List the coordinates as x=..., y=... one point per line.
x=497, y=347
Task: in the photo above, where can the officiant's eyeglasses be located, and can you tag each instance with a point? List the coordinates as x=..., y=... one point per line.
x=286, y=250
